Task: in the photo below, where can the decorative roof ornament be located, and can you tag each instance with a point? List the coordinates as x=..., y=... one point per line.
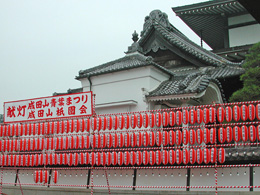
x=156, y=16
x=135, y=47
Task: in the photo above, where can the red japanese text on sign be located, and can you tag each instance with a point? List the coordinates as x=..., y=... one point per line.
x=79, y=104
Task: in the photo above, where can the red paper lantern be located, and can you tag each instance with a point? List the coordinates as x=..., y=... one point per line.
x=220, y=114
x=139, y=120
x=151, y=120
x=145, y=139
x=86, y=142
x=199, y=136
x=171, y=137
x=178, y=137
x=228, y=114
x=78, y=124
x=178, y=117
x=94, y=124
x=145, y=157
x=158, y=139
x=133, y=121
x=151, y=139
x=222, y=135
x=98, y=158
x=229, y=134
x=199, y=114
x=212, y=114
x=115, y=122
x=99, y=123
x=152, y=158
x=16, y=145
x=45, y=176
x=192, y=156
x=127, y=140
x=185, y=117
x=126, y=158
x=138, y=139
x=199, y=156
x=192, y=136
x=92, y=158
x=257, y=111
x=17, y=130
x=133, y=139
x=55, y=176
x=185, y=136
x=139, y=158
x=98, y=141
x=120, y=138
x=158, y=157
x=114, y=140
x=171, y=118
x=206, y=135
x=178, y=156
x=171, y=157
x=103, y=123
x=165, y=118
x=205, y=115
x=132, y=158
x=109, y=122
x=206, y=155
x=145, y=120
x=185, y=156
x=114, y=158
x=212, y=137
x=109, y=140
x=127, y=121
x=236, y=113
x=1, y=130
x=213, y=155
x=221, y=155
x=164, y=154
x=236, y=133
x=87, y=124
x=121, y=120
x=103, y=158
x=244, y=133
x=244, y=112
x=252, y=133
x=158, y=119
x=36, y=176
x=251, y=112
x=120, y=158
x=192, y=116
x=165, y=138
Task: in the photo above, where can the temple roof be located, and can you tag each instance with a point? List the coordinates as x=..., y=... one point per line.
x=183, y=46
x=130, y=61
x=209, y=19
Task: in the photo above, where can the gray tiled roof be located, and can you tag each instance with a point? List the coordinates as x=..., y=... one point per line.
x=134, y=60
x=179, y=40
x=192, y=83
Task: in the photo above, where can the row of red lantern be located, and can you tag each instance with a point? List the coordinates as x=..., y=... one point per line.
x=111, y=140
x=42, y=176
x=118, y=158
x=45, y=128
x=206, y=115
x=237, y=113
x=165, y=138
x=237, y=134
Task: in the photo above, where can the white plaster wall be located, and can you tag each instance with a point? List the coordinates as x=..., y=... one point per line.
x=161, y=177
x=9, y=176
x=115, y=178
x=256, y=180
x=26, y=176
x=124, y=86
x=244, y=35
x=240, y=19
x=71, y=177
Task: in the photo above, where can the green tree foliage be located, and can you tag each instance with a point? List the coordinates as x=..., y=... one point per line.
x=251, y=77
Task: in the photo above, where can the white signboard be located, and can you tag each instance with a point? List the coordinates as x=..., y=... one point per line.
x=62, y=106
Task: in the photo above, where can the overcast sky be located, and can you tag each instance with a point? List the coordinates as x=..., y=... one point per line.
x=44, y=43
